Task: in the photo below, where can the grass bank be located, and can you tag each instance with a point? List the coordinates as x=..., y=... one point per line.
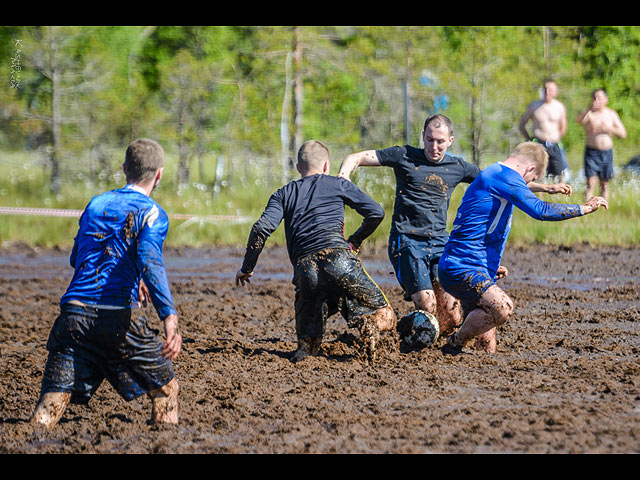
x=24, y=182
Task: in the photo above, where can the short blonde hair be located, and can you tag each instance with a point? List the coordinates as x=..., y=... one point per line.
x=532, y=152
x=312, y=154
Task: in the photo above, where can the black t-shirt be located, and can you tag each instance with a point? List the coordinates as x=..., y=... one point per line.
x=423, y=189
x=313, y=212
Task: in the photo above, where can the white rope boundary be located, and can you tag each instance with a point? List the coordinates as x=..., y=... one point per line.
x=53, y=212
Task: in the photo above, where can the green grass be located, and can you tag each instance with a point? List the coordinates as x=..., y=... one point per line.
x=24, y=183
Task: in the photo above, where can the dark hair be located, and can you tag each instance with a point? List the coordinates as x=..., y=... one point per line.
x=143, y=158
x=593, y=94
x=438, y=119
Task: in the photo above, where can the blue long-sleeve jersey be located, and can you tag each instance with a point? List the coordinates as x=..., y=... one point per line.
x=483, y=222
x=119, y=242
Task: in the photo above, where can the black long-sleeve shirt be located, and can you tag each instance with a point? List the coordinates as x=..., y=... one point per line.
x=313, y=212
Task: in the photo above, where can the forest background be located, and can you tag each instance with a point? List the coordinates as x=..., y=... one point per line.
x=232, y=104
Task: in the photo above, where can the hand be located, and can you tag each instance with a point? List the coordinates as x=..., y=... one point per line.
x=344, y=175
x=242, y=277
x=593, y=204
x=502, y=272
x=173, y=344
x=353, y=248
x=143, y=295
x=563, y=188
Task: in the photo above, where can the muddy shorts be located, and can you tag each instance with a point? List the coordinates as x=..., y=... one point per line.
x=87, y=345
x=598, y=163
x=415, y=261
x=464, y=282
x=557, y=158
x=331, y=281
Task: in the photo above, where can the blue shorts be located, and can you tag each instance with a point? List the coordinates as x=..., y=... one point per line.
x=415, y=261
x=87, y=345
x=598, y=163
x=464, y=282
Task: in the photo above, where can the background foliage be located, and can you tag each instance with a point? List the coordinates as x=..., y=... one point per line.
x=231, y=105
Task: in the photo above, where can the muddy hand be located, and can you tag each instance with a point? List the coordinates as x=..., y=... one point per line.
x=593, y=204
x=143, y=295
x=242, y=277
x=502, y=272
x=562, y=188
x=173, y=344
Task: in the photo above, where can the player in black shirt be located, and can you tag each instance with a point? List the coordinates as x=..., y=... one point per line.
x=425, y=180
x=328, y=276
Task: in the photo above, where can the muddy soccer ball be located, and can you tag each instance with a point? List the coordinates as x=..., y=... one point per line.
x=422, y=329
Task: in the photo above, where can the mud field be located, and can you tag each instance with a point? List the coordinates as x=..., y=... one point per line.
x=565, y=379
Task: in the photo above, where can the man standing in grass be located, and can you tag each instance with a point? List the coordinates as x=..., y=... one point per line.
x=470, y=264
x=600, y=124
x=117, y=257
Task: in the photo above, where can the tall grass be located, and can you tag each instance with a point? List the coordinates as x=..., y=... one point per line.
x=24, y=182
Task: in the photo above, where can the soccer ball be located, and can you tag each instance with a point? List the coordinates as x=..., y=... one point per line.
x=419, y=329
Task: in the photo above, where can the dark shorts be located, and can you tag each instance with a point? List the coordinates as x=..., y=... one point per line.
x=598, y=163
x=464, y=282
x=557, y=158
x=415, y=261
x=331, y=281
x=87, y=345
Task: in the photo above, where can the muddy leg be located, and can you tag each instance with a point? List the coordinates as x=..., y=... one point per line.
x=50, y=408
x=385, y=318
x=494, y=309
x=369, y=337
x=449, y=311
x=306, y=346
x=164, y=403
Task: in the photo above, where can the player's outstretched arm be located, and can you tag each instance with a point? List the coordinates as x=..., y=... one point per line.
x=593, y=204
x=367, y=158
x=562, y=188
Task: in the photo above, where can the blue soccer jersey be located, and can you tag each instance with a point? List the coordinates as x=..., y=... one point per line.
x=119, y=242
x=483, y=222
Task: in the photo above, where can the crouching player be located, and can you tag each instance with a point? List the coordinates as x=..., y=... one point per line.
x=117, y=257
x=328, y=276
x=470, y=264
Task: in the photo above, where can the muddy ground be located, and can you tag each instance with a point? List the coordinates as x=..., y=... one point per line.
x=565, y=379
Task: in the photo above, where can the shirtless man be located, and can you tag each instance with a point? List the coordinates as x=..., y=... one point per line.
x=600, y=123
x=549, y=118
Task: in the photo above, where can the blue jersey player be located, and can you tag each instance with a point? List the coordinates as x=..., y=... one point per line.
x=470, y=263
x=117, y=261
x=425, y=180
x=328, y=276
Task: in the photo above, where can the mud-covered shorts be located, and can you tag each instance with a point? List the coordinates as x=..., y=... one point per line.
x=415, y=261
x=598, y=163
x=331, y=281
x=87, y=345
x=464, y=282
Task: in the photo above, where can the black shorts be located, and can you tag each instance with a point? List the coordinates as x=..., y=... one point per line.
x=331, y=281
x=598, y=163
x=87, y=345
x=557, y=158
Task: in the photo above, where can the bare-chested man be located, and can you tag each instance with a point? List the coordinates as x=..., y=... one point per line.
x=600, y=124
x=549, y=118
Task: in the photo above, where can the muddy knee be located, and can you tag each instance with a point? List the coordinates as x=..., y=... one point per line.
x=164, y=401
x=50, y=408
x=385, y=318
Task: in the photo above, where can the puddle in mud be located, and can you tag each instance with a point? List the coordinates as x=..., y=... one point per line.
x=223, y=263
